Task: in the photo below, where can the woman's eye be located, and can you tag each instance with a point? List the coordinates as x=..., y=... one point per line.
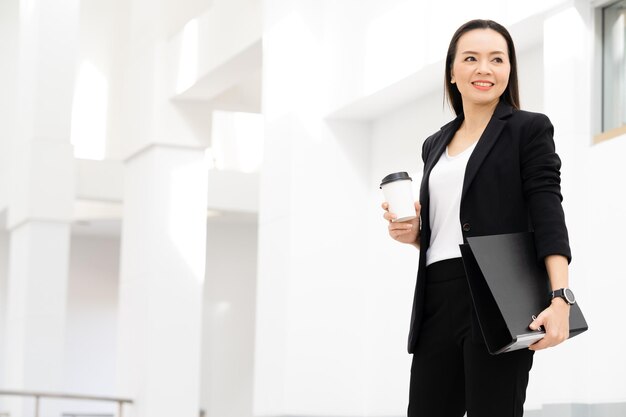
x=498, y=60
x=470, y=58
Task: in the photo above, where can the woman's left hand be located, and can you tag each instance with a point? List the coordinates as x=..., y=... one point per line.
x=555, y=320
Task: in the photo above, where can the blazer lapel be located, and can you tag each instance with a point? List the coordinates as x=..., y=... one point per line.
x=447, y=133
x=487, y=140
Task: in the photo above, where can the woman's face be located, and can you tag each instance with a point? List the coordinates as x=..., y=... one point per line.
x=481, y=67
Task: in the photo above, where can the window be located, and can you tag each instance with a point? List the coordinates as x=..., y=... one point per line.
x=614, y=68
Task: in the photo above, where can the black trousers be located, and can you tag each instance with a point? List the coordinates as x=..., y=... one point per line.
x=452, y=371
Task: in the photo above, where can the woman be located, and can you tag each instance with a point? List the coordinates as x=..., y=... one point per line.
x=492, y=170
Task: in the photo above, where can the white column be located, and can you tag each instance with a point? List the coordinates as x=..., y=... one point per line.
x=567, y=96
x=164, y=227
x=8, y=73
x=40, y=200
x=312, y=279
x=9, y=17
x=161, y=280
x=38, y=260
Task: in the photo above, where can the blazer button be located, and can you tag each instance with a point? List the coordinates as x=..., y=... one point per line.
x=466, y=227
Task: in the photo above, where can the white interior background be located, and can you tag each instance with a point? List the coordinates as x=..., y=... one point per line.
x=303, y=106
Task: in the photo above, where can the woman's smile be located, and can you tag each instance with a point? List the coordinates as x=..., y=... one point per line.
x=482, y=85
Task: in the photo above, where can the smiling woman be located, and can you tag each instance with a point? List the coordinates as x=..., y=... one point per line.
x=492, y=149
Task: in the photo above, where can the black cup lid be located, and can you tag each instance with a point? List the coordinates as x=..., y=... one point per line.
x=396, y=176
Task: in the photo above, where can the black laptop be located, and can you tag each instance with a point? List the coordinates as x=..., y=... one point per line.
x=510, y=287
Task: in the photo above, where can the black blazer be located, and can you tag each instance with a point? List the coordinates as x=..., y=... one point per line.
x=512, y=184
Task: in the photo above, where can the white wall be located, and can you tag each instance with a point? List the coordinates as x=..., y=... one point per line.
x=91, y=330
x=605, y=279
x=530, y=77
x=228, y=327
x=4, y=258
x=229, y=319
x=102, y=57
x=92, y=315
x=376, y=44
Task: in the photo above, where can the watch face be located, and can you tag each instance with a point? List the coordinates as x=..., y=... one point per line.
x=569, y=296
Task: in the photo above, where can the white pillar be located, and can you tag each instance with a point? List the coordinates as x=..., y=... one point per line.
x=163, y=239
x=9, y=17
x=567, y=97
x=311, y=310
x=38, y=260
x=161, y=280
x=40, y=201
x=8, y=73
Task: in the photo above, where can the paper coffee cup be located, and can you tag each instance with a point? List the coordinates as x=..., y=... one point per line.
x=398, y=193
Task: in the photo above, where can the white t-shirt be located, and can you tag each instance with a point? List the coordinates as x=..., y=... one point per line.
x=445, y=186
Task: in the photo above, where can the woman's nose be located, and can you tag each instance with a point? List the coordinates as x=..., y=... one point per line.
x=483, y=67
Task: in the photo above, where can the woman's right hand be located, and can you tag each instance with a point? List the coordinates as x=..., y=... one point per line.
x=407, y=231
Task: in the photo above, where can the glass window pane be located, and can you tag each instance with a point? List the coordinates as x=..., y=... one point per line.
x=614, y=67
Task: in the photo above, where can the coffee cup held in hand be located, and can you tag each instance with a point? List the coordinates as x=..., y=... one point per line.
x=399, y=195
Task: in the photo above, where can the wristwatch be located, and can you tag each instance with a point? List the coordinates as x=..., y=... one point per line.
x=566, y=294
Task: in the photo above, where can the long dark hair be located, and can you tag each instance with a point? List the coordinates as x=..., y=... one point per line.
x=511, y=94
